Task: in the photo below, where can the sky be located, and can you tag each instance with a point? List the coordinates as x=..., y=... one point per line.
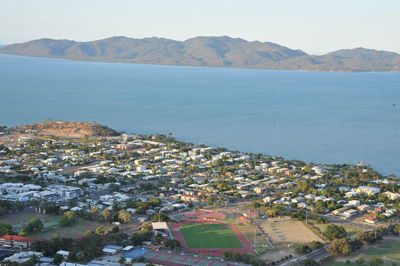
x=315, y=26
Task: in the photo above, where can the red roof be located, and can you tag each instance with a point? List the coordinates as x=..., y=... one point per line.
x=247, y=214
x=244, y=219
x=20, y=238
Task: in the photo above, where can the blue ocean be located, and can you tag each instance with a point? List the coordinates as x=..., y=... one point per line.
x=312, y=116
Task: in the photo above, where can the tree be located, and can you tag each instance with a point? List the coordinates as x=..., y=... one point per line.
x=375, y=262
x=172, y=244
x=316, y=244
x=334, y=231
x=302, y=249
x=94, y=210
x=73, y=257
x=155, y=202
x=5, y=229
x=106, y=215
x=68, y=219
x=366, y=237
x=360, y=260
x=124, y=216
x=160, y=217
x=121, y=260
x=58, y=259
x=309, y=262
x=34, y=225
x=141, y=210
x=395, y=229
x=140, y=236
x=119, y=238
x=340, y=247
x=100, y=230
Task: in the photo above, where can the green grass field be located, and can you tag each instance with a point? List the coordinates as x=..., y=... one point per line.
x=209, y=236
x=388, y=248
x=72, y=231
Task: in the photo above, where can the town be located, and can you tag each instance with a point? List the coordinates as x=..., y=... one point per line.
x=115, y=198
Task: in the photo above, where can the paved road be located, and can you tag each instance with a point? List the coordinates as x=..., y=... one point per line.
x=315, y=255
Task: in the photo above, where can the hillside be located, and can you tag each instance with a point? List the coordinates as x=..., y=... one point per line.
x=207, y=51
x=68, y=129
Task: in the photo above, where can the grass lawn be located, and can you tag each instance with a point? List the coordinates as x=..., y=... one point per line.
x=209, y=235
x=72, y=231
x=21, y=219
x=388, y=248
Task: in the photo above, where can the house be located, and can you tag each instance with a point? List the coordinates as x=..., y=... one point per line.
x=353, y=203
x=391, y=195
x=21, y=257
x=310, y=197
x=340, y=211
x=250, y=214
x=134, y=254
x=350, y=194
x=63, y=253
x=86, y=181
x=368, y=190
x=389, y=212
x=319, y=170
x=20, y=242
x=303, y=205
x=349, y=213
x=190, y=198
x=259, y=190
x=161, y=228
x=371, y=220
x=298, y=200
x=363, y=207
x=268, y=199
x=322, y=197
x=244, y=220
x=112, y=249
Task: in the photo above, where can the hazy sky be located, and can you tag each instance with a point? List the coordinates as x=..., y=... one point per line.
x=315, y=26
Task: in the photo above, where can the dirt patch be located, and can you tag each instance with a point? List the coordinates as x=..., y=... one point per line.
x=289, y=231
x=68, y=129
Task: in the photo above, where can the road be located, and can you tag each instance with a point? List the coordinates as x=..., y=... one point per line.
x=315, y=255
x=336, y=220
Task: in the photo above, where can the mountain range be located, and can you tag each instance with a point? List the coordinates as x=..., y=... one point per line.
x=221, y=51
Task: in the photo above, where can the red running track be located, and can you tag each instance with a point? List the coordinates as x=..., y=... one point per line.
x=247, y=248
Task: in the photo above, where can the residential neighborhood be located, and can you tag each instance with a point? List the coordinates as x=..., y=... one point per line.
x=139, y=183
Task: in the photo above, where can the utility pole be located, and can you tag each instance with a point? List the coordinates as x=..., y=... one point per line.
x=255, y=228
x=306, y=217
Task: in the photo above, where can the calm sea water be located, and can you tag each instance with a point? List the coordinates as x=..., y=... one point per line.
x=312, y=116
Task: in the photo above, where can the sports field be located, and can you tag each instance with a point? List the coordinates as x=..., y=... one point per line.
x=209, y=235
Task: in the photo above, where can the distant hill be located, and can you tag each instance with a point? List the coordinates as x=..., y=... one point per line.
x=68, y=129
x=207, y=51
